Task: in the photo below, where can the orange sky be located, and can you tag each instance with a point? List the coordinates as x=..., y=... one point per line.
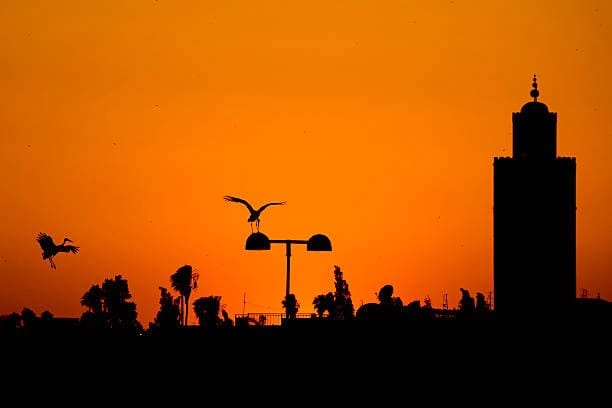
x=123, y=125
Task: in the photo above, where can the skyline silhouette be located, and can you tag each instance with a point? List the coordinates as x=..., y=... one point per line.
x=530, y=111
x=111, y=312
x=379, y=126
x=519, y=194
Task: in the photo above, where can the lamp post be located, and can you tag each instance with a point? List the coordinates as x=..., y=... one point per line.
x=258, y=241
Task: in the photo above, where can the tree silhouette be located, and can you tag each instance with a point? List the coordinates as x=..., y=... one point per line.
x=184, y=280
x=46, y=315
x=207, y=311
x=227, y=321
x=389, y=308
x=426, y=311
x=385, y=295
x=169, y=314
x=95, y=316
x=114, y=311
x=291, y=305
x=12, y=321
x=28, y=317
x=481, y=303
x=466, y=303
x=344, y=308
x=338, y=304
x=322, y=302
x=92, y=299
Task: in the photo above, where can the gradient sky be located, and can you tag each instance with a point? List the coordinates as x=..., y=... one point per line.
x=124, y=123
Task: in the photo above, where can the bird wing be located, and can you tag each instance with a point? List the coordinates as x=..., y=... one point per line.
x=239, y=200
x=69, y=248
x=45, y=241
x=274, y=203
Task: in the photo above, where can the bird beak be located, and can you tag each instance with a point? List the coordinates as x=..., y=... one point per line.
x=68, y=239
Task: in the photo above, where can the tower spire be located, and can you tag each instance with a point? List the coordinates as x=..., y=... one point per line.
x=534, y=91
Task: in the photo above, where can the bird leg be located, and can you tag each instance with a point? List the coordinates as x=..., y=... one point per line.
x=251, y=227
x=52, y=263
x=257, y=223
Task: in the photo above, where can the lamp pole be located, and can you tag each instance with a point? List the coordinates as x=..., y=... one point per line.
x=288, y=252
x=259, y=241
x=288, y=243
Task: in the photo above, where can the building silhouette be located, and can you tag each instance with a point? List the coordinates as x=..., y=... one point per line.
x=534, y=219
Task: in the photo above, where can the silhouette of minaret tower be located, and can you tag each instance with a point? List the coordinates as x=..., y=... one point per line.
x=534, y=219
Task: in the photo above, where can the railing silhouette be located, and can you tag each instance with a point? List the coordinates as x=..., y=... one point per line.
x=277, y=319
x=267, y=319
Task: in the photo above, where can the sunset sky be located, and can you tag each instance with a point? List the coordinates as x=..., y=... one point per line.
x=124, y=123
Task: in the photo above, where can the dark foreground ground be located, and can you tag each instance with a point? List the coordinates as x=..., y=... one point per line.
x=377, y=364
x=314, y=340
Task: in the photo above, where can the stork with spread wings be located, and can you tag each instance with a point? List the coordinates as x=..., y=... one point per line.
x=253, y=213
x=50, y=249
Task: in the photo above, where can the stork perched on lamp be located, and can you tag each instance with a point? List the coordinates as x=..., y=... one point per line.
x=254, y=214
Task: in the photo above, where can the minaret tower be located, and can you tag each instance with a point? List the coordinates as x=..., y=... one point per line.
x=534, y=219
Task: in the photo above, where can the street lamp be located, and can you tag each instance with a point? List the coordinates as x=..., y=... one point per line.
x=258, y=241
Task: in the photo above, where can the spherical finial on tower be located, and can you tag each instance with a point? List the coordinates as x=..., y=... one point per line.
x=534, y=92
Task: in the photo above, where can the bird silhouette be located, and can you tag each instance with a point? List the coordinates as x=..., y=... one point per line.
x=50, y=249
x=254, y=214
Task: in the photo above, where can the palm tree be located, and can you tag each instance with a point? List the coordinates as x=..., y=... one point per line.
x=184, y=280
x=291, y=305
x=321, y=303
x=207, y=310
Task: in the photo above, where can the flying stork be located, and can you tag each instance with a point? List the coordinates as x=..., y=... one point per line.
x=50, y=249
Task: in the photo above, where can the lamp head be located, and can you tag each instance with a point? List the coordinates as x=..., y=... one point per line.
x=257, y=241
x=319, y=242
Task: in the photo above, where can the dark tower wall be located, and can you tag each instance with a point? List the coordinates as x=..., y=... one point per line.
x=534, y=220
x=534, y=235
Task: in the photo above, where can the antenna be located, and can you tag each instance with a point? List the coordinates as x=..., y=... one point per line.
x=243, y=302
x=445, y=301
